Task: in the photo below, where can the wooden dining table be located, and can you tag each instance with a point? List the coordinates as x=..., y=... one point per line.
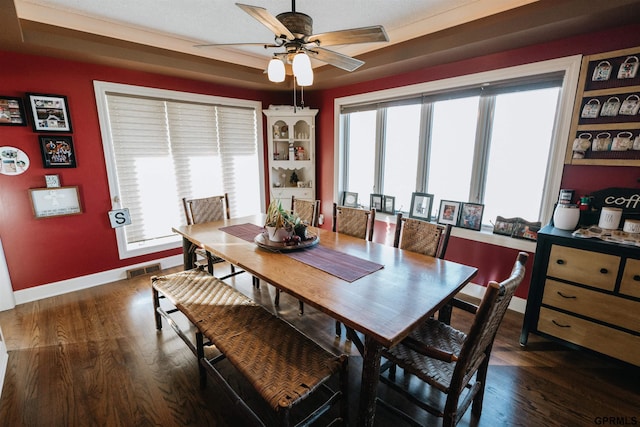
x=384, y=305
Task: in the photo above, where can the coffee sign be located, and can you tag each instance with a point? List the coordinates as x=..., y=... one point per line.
x=627, y=199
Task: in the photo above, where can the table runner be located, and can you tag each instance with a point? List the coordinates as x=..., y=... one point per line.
x=344, y=266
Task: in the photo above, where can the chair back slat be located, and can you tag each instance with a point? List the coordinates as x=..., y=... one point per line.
x=307, y=210
x=421, y=236
x=207, y=209
x=353, y=221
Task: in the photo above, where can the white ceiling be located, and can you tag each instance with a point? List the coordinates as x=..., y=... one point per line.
x=180, y=24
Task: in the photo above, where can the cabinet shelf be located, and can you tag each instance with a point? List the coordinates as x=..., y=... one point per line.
x=291, y=149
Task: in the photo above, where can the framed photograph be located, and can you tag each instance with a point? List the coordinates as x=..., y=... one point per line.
x=57, y=151
x=389, y=204
x=52, y=181
x=471, y=216
x=526, y=230
x=449, y=212
x=421, y=204
x=50, y=113
x=49, y=202
x=505, y=226
x=12, y=111
x=349, y=199
x=376, y=202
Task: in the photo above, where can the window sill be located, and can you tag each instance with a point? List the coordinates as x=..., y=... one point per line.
x=484, y=236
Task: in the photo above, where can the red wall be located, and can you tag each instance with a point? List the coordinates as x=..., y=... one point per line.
x=41, y=251
x=48, y=250
x=493, y=262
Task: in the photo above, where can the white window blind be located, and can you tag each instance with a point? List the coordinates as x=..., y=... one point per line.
x=165, y=149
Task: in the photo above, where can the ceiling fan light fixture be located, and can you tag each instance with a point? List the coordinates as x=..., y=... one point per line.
x=275, y=71
x=302, y=69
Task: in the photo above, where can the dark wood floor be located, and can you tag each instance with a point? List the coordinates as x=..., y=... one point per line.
x=93, y=357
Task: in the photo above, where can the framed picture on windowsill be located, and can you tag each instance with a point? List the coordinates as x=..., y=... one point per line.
x=350, y=199
x=389, y=204
x=50, y=113
x=471, y=216
x=421, y=204
x=375, y=202
x=449, y=212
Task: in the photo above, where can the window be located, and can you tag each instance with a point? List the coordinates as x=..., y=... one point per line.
x=161, y=146
x=495, y=138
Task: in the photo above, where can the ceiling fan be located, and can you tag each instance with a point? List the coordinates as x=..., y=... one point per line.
x=294, y=32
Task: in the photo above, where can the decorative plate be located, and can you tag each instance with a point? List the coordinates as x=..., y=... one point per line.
x=262, y=240
x=13, y=161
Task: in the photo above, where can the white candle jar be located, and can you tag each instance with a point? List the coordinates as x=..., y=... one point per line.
x=566, y=217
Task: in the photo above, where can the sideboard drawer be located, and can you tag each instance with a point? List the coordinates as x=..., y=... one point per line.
x=630, y=284
x=586, y=267
x=603, y=339
x=595, y=305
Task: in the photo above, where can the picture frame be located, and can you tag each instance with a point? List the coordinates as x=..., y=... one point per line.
x=526, y=230
x=57, y=151
x=421, y=205
x=376, y=201
x=471, y=216
x=12, y=111
x=505, y=226
x=389, y=204
x=350, y=199
x=52, y=202
x=49, y=113
x=449, y=212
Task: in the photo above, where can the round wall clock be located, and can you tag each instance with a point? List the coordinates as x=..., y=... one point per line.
x=13, y=161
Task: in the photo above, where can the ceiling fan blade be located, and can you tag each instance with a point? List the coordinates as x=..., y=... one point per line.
x=266, y=45
x=334, y=58
x=374, y=33
x=263, y=16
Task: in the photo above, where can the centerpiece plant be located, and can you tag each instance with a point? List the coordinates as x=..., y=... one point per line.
x=283, y=225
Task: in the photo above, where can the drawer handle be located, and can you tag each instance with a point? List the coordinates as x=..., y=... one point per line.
x=566, y=296
x=560, y=261
x=604, y=271
x=560, y=325
x=636, y=277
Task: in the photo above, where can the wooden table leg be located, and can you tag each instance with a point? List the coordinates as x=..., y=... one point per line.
x=369, y=385
x=187, y=255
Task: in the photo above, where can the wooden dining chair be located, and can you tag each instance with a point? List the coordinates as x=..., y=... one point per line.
x=308, y=211
x=354, y=222
x=426, y=238
x=207, y=209
x=449, y=360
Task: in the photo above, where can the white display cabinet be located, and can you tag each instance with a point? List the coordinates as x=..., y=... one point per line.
x=292, y=153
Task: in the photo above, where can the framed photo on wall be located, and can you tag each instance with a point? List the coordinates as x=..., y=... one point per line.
x=49, y=202
x=376, y=202
x=421, y=204
x=350, y=199
x=57, y=151
x=449, y=212
x=12, y=111
x=471, y=216
x=50, y=113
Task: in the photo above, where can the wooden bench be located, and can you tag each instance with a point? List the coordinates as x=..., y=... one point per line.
x=282, y=364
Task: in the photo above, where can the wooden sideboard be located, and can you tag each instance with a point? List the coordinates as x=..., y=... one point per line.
x=585, y=293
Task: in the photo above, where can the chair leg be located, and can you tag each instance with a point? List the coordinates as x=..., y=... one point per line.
x=344, y=388
x=256, y=282
x=481, y=376
x=338, y=329
x=156, y=304
x=301, y=306
x=276, y=300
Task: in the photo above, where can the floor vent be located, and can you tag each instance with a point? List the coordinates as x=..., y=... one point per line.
x=152, y=268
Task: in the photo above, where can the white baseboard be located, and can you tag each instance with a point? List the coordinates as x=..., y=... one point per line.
x=477, y=291
x=83, y=282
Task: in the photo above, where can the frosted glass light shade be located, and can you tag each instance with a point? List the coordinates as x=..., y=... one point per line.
x=275, y=71
x=302, y=70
